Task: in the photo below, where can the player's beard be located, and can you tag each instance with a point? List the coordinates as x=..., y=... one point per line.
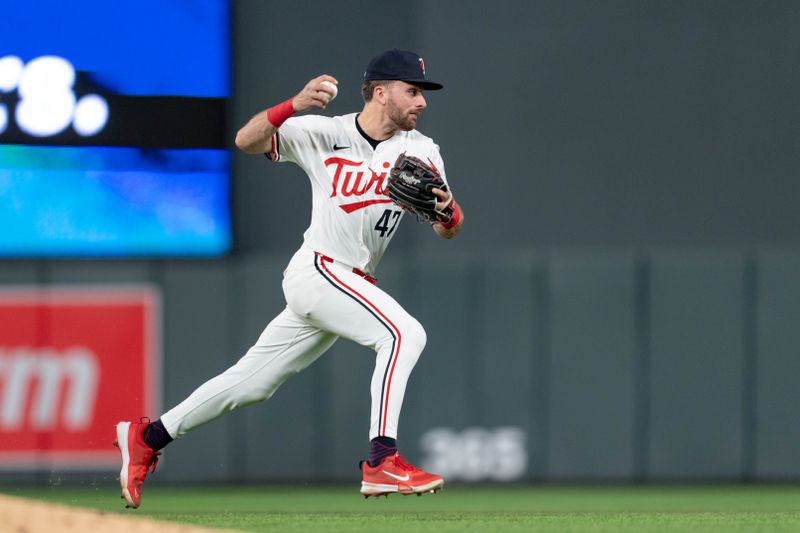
x=404, y=120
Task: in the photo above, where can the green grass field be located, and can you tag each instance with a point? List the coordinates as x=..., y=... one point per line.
x=459, y=508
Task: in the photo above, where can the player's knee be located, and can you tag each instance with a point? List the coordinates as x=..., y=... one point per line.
x=415, y=336
x=410, y=334
x=255, y=388
x=244, y=395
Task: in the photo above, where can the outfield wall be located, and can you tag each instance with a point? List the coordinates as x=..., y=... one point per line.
x=568, y=365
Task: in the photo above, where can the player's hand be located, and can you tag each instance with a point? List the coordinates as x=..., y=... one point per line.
x=444, y=198
x=315, y=94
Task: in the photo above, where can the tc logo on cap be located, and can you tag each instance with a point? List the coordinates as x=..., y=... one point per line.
x=400, y=65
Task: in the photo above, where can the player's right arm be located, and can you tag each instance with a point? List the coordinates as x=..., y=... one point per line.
x=255, y=136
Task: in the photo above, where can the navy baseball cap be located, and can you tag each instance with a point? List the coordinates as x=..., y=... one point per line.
x=400, y=65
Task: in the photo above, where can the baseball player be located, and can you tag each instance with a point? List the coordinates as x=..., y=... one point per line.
x=329, y=284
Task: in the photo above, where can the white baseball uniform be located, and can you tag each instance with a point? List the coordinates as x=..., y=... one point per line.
x=328, y=284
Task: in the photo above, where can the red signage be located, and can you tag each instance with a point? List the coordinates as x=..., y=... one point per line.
x=74, y=362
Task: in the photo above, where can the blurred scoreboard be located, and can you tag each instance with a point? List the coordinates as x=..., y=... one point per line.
x=112, y=128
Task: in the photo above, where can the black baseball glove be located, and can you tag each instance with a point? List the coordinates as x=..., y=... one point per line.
x=410, y=185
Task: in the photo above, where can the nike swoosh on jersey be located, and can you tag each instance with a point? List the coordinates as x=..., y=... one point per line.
x=337, y=147
x=349, y=208
x=398, y=478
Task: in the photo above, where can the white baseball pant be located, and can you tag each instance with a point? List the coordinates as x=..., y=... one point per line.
x=325, y=300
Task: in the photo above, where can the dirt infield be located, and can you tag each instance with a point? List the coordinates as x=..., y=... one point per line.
x=18, y=515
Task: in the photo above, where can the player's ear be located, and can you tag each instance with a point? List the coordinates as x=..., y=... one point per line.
x=380, y=94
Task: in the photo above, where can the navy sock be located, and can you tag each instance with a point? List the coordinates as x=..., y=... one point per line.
x=156, y=436
x=381, y=447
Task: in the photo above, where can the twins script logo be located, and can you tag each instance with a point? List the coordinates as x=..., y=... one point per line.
x=349, y=179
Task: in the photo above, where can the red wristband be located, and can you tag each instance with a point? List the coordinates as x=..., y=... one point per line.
x=455, y=218
x=278, y=114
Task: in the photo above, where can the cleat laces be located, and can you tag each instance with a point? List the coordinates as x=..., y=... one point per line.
x=402, y=464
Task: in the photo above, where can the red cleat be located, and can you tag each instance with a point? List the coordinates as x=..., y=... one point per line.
x=394, y=474
x=137, y=459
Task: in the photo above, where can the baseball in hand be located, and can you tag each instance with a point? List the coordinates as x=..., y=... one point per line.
x=332, y=86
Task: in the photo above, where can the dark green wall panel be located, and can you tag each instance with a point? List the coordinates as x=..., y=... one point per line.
x=591, y=366
x=778, y=366
x=697, y=363
x=198, y=314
